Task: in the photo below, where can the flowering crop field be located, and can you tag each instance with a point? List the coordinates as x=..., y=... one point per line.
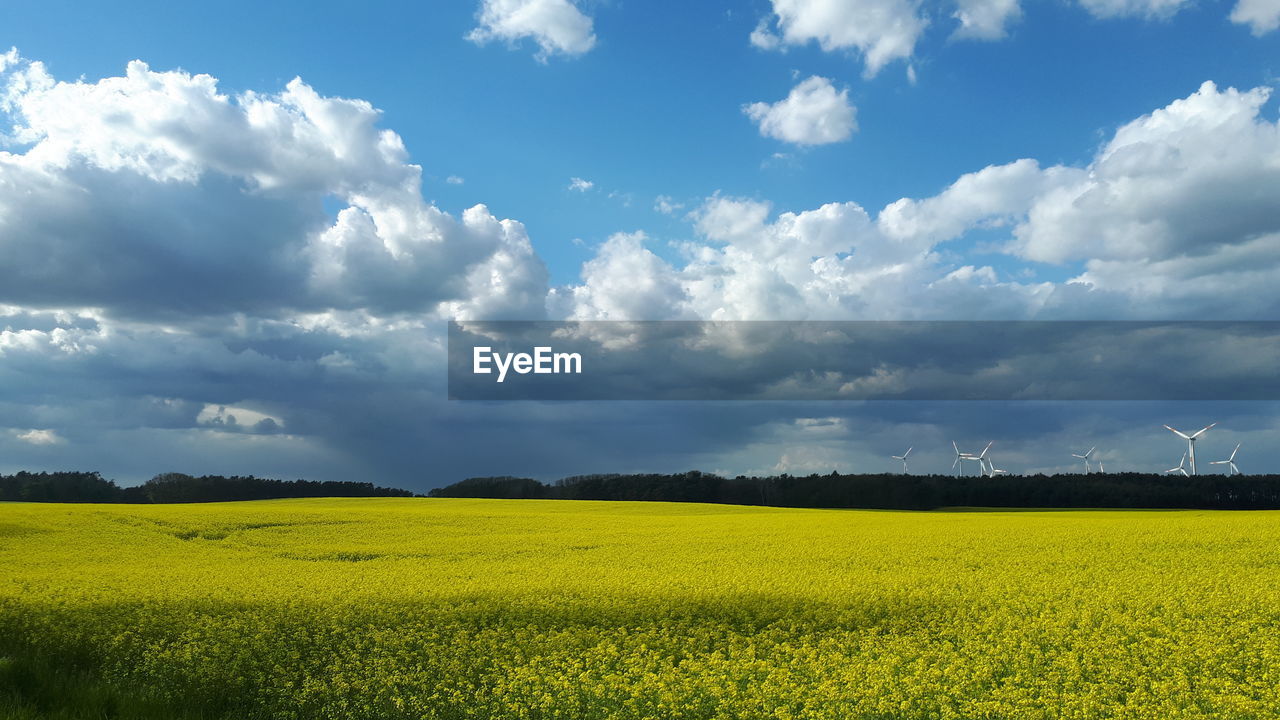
x=432, y=608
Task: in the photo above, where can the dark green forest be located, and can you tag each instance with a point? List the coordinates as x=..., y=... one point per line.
x=883, y=491
x=174, y=488
x=899, y=492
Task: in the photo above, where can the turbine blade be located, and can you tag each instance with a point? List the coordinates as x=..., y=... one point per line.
x=957, y=447
x=1203, y=430
x=908, y=452
x=1179, y=433
x=1233, y=452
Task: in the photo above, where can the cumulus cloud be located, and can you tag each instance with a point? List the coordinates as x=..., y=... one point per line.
x=813, y=113
x=168, y=249
x=1174, y=217
x=39, y=437
x=1150, y=9
x=880, y=30
x=826, y=263
x=577, y=184
x=985, y=19
x=1262, y=16
x=624, y=281
x=154, y=193
x=998, y=194
x=557, y=26
x=1149, y=190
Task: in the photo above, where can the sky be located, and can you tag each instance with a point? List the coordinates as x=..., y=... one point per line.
x=231, y=236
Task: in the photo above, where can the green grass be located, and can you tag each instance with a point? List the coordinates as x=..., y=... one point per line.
x=426, y=608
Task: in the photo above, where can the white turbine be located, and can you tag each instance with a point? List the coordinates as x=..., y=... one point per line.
x=962, y=456
x=984, y=464
x=1085, y=458
x=1231, y=461
x=959, y=456
x=1191, y=441
x=1182, y=466
x=903, y=458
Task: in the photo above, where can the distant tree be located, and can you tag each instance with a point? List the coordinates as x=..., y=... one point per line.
x=896, y=491
x=175, y=487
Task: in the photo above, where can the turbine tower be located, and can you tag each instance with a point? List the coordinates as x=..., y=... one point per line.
x=1085, y=458
x=1182, y=467
x=903, y=458
x=1231, y=461
x=1191, y=441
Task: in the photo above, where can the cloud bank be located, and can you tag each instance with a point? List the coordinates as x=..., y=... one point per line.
x=200, y=280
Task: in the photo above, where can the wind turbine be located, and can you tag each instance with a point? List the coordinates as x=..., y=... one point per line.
x=1191, y=441
x=980, y=458
x=983, y=463
x=1085, y=458
x=959, y=456
x=1231, y=461
x=903, y=458
x=1182, y=466
x=991, y=467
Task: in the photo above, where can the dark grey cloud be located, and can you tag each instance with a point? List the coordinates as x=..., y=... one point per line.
x=866, y=360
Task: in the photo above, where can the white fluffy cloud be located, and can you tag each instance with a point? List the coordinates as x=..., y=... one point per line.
x=155, y=193
x=1262, y=16
x=1151, y=9
x=577, y=184
x=985, y=19
x=624, y=281
x=1174, y=217
x=995, y=195
x=832, y=262
x=813, y=113
x=1188, y=179
x=557, y=26
x=166, y=248
x=881, y=30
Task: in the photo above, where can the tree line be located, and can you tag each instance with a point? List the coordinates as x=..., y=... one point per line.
x=881, y=491
x=898, y=492
x=78, y=487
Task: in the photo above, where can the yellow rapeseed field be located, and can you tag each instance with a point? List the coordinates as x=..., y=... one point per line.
x=432, y=608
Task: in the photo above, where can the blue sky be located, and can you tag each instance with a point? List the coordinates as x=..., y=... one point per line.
x=654, y=108
x=1093, y=223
